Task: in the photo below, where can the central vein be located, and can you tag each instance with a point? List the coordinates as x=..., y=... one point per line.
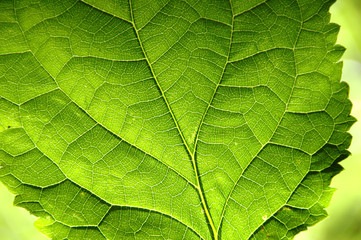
x=190, y=153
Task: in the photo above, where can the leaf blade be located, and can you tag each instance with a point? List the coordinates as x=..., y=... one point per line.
x=217, y=133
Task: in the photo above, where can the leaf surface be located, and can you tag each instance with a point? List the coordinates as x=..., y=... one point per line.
x=171, y=119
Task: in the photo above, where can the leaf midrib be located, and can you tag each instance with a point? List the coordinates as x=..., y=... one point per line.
x=190, y=153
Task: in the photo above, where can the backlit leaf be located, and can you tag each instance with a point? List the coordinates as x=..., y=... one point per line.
x=177, y=119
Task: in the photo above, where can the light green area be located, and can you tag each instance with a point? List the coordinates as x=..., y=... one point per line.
x=171, y=120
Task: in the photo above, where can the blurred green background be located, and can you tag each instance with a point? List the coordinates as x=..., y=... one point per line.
x=344, y=221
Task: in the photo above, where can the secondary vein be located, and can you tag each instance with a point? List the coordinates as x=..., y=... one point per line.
x=190, y=153
x=215, y=230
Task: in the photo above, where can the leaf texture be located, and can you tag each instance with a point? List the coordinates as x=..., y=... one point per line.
x=171, y=119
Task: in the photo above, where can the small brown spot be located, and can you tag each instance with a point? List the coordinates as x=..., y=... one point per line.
x=9, y=126
x=268, y=236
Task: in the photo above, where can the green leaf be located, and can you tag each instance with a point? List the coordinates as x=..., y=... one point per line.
x=194, y=119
